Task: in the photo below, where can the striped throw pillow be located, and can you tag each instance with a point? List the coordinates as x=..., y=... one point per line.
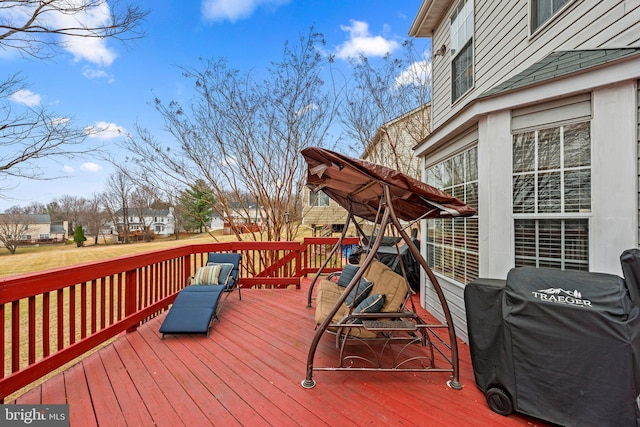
x=207, y=275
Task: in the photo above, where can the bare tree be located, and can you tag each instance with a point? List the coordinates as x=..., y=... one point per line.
x=141, y=201
x=386, y=104
x=116, y=201
x=28, y=135
x=95, y=217
x=242, y=136
x=13, y=227
x=38, y=29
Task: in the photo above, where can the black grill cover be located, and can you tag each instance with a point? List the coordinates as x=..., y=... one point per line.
x=567, y=348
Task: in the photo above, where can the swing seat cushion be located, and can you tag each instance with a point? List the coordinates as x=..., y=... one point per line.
x=385, y=282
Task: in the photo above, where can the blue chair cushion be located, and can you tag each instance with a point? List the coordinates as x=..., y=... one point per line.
x=359, y=293
x=371, y=304
x=348, y=271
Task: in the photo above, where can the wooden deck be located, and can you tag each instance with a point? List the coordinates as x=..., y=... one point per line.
x=248, y=372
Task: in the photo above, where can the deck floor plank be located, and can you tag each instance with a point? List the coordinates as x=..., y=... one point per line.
x=202, y=382
x=53, y=390
x=81, y=411
x=158, y=386
x=248, y=372
x=129, y=399
x=105, y=401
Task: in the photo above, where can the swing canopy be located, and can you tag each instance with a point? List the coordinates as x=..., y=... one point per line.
x=354, y=185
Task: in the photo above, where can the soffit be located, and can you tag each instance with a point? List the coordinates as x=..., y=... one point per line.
x=428, y=18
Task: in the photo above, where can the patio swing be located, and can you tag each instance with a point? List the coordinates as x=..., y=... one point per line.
x=369, y=308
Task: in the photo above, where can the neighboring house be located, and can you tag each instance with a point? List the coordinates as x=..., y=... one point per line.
x=393, y=143
x=246, y=216
x=160, y=221
x=318, y=210
x=535, y=116
x=35, y=228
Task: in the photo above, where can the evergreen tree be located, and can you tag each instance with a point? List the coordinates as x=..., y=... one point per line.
x=78, y=236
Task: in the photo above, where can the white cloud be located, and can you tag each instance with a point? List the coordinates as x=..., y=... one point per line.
x=96, y=73
x=68, y=169
x=90, y=49
x=26, y=97
x=362, y=42
x=234, y=10
x=105, y=131
x=418, y=73
x=90, y=167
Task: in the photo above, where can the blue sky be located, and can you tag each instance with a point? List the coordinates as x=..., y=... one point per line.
x=111, y=86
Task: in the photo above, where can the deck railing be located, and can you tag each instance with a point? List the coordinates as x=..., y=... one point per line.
x=50, y=318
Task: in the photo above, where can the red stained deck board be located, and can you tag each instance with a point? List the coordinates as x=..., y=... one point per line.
x=142, y=366
x=129, y=400
x=105, y=402
x=53, y=390
x=374, y=399
x=78, y=397
x=373, y=402
x=202, y=385
x=32, y=397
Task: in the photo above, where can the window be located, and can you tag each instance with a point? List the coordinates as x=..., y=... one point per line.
x=552, y=196
x=318, y=199
x=543, y=10
x=452, y=244
x=44, y=236
x=462, y=49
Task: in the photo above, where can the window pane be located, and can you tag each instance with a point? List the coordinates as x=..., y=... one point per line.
x=543, y=10
x=525, y=239
x=524, y=193
x=462, y=71
x=549, y=239
x=549, y=149
x=549, y=192
x=471, y=164
x=471, y=195
x=577, y=191
x=524, y=152
x=552, y=243
x=577, y=145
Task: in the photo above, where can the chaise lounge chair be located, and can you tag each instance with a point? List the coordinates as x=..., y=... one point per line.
x=198, y=304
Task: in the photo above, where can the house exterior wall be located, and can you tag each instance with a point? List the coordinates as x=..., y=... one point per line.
x=503, y=45
x=394, y=141
x=322, y=215
x=607, y=97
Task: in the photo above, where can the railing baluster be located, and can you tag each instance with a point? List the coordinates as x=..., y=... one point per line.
x=103, y=303
x=60, y=313
x=94, y=304
x=15, y=336
x=72, y=314
x=83, y=310
x=111, y=299
x=46, y=329
x=2, y=338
